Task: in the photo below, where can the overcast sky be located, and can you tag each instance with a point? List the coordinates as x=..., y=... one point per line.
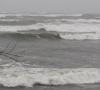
x=55, y=6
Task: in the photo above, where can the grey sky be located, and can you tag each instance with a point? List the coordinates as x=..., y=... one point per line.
x=57, y=6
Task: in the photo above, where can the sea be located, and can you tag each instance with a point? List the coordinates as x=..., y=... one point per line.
x=44, y=51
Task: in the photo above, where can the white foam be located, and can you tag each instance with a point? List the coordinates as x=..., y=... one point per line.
x=80, y=36
x=5, y=15
x=16, y=28
x=80, y=20
x=12, y=77
x=70, y=27
x=55, y=27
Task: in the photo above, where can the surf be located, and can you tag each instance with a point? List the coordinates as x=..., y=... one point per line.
x=12, y=77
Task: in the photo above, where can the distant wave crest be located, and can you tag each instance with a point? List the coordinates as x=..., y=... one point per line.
x=2, y=15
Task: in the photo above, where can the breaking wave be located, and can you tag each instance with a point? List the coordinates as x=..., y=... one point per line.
x=79, y=29
x=29, y=36
x=78, y=20
x=54, y=27
x=80, y=36
x=22, y=36
x=12, y=77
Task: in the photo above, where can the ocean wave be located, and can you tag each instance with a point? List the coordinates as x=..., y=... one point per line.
x=65, y=31
x=12, y=77
x=20, y=36
x=2, y=15
x=24, y=36
x=55, y=15
x=62, y=27
x=78, y=20
x=5, y=15
x=9, y=20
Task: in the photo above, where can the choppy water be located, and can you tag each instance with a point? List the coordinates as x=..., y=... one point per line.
x=61, y=51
